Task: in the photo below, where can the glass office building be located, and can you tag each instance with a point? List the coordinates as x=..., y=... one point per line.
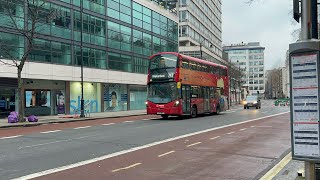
x=117, y=36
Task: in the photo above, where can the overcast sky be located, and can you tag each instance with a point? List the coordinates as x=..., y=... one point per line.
x=266, y=21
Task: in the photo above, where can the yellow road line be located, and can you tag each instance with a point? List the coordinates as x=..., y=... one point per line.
x=128, y=167
x=166, y=153
x=194, y=144
x=214, y=137
x=277, y=168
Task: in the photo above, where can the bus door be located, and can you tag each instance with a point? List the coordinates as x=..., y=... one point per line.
x=206, y=97
x=186, y=99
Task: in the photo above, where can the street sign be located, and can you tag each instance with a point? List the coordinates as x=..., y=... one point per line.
x=304, y=79
x=305, y=105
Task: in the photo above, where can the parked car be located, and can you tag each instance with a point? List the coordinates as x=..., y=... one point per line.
x=252, y=101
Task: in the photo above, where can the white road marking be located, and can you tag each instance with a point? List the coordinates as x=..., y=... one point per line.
x=66, y=140
x=164, y=154
x=243, y=129
x=70, y=166
x=132, y=166
x=263, y=126
x=227, y=112
x=214, y=137
x=44, y=124
x=148, y=119
x=107, y=124
x=230, y=133
x=252, y=126
x=194, y=144
x=10, y=137
x=83, y=127
x=46, y=132
x=128, y=121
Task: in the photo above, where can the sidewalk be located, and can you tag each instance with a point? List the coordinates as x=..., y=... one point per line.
x=59, y=118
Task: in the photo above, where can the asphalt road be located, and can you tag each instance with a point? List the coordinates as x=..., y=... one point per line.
x=39, y=151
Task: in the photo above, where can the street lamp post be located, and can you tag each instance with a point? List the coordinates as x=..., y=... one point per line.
x=81, y=51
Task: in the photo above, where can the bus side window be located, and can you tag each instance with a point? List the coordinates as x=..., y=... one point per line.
x=198, y=67
x=185, y=64
x=217, y=93
x=215, y=70
x=212, y=89
x=223, y=72
x=195, y=91
x=193, y=66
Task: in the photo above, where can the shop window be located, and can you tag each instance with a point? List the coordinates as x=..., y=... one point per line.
x=115, y=97
x=138, y=97
x=36, y=98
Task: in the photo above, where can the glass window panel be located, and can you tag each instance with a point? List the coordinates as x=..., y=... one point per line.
x=125, y=18
x=114, y=14
x=146, y=11
x=137, y=7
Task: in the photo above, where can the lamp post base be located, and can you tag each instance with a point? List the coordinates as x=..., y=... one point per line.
x=82, y=109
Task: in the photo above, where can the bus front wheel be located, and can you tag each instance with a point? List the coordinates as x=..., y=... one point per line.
x=194, y=112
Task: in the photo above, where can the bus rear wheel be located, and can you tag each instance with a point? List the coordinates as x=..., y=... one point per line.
x=164, y=116
x=217, y=111
x=194, y=112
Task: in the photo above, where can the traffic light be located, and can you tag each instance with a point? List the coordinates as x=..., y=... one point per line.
x=296, y=10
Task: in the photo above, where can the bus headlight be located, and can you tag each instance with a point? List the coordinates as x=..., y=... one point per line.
x=176, y=103
x=147, y=103
x=255, y=102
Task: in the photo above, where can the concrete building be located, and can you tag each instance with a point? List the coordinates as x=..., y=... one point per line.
x=118, y=37
x=200, y=29
x=250, y=58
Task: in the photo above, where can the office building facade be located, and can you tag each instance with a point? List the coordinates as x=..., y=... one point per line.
x=200, y=29
x=118, y=36
x=250, y=58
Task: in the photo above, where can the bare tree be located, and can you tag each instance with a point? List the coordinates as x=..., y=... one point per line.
x=235, y=79
x=37, y=15
x=274, y=83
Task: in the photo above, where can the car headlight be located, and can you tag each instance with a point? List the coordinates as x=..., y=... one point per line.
x=255, y=102
x=177, y=103
x=245, y=102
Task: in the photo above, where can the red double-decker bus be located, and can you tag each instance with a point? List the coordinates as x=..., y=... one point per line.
x=182, y=85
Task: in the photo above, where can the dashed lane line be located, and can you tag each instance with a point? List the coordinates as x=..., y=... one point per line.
x=128, y=167
x=214, y=137
x=167, y=153
x=243, y=129
x=54, y=142
x=194, y=144
x=108, y=124
x=230, y=132
x=128, y=121
x=10, y=137
x=83, y=127
x=46, y=132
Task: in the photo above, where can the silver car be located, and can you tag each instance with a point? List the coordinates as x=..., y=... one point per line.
x=252, y=101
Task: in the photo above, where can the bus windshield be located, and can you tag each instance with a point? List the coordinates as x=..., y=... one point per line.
x=165, y=61
x=162, y=92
